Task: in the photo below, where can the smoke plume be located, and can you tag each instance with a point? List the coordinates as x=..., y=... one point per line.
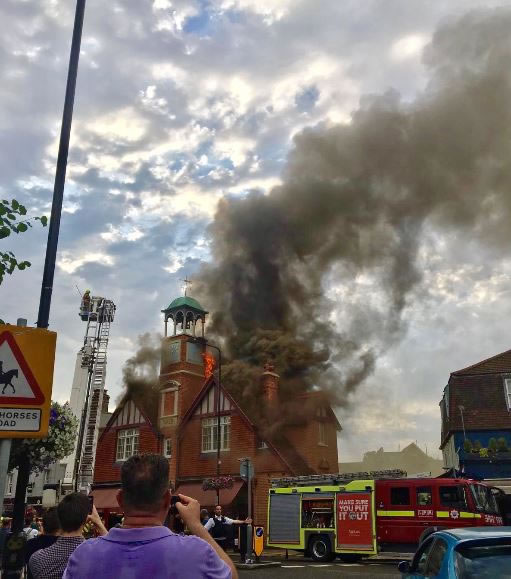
x=317, y=273
x=140, y=373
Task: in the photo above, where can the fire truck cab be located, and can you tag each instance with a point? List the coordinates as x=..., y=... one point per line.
x=352, y=515
x=408, y=509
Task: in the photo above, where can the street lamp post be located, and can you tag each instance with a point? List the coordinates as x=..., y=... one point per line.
x=206, y=344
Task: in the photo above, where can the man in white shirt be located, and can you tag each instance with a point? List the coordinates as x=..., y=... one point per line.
x=217, y=526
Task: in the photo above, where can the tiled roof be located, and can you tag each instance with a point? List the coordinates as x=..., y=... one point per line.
x=501, y=363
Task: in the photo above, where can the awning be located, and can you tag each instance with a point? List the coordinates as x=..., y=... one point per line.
x=106, y=498
x=208, y=498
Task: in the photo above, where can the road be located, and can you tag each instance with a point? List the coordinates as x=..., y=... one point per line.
x=309, y=570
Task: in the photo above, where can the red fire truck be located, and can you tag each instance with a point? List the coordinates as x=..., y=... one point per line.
x=358, y=514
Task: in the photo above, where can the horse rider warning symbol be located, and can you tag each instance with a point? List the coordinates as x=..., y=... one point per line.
x=17, y=383
x=27, y=357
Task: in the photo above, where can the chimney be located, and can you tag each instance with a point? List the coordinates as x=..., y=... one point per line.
x=270, y=384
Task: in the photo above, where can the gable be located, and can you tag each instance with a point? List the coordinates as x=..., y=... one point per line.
x=128, y=414
x=207, y=403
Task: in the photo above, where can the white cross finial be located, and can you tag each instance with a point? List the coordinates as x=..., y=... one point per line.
x=186, y=282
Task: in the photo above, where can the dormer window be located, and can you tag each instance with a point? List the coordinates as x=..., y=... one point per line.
x=507, y=392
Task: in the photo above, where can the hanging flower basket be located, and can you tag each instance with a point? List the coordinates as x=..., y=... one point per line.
x=221, y=482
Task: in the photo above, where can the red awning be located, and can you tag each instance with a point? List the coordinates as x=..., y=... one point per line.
x=106, y=499
x=208, y=498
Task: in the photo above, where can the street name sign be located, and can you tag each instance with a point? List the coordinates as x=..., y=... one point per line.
x=27, y=357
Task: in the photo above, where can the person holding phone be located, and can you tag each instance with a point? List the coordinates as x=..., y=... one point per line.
x=143, y=547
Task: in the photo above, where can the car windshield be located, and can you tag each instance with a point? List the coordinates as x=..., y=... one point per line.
x=487, y=559
x=484, y=499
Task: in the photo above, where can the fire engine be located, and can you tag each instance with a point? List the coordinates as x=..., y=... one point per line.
x=357, y=514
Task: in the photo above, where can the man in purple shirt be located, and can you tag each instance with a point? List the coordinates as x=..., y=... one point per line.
x=143, y=547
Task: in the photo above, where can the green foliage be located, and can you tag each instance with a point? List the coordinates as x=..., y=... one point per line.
x=42, y=452
x=477, y=446
x=492, y=445
x=13, y=220
x=467, y=445
x=483, y=453
x=502, y=445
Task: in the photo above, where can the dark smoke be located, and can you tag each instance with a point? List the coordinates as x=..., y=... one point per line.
x=352, y=213
x=140, y=374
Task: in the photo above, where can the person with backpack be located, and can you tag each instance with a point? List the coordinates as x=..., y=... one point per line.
x=218, y=526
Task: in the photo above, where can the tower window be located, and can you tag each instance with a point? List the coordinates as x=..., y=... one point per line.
x=127, y=443
x=210, y=436
x=169, y=402
x=322, y=439
x=167, y=447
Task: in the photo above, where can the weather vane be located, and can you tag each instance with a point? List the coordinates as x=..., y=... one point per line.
x=187, y=282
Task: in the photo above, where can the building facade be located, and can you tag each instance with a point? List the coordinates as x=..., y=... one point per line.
x=179, y=418
x=476, y=419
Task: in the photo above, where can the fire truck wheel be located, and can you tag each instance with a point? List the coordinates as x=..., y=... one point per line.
x=320, y=550
x=427, y=532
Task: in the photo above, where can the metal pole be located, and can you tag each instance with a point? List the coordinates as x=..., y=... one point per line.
x=60, y=174
x=218, y=461
x=249, y=514
x=5, y=452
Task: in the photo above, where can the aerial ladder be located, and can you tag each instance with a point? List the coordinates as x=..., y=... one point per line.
x=98, y=313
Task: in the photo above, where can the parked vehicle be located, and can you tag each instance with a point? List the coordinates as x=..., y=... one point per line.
x=363, y=513
x=466, y=553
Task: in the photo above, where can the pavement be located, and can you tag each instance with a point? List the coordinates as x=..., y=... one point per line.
x=310, y=570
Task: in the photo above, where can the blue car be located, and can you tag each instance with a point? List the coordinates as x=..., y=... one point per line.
x=469, y=553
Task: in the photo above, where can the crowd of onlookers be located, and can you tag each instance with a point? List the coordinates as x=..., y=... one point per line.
x=141, y=546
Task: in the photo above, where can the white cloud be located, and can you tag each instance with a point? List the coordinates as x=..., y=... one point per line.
x=69, y=263
x=409, y=46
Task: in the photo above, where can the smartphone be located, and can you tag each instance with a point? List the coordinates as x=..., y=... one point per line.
x=91, y=503
x=173, y=500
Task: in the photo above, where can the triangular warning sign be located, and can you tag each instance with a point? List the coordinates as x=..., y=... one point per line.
x=17, y=383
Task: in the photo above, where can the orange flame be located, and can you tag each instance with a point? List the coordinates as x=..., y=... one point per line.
x=209, y=364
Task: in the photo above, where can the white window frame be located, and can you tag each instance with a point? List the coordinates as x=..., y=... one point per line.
x=167, y=442
x=322, y=439
x=174, y=389
x=127, y=444
x=507, y=392
x=209, y=434
x=9, y=484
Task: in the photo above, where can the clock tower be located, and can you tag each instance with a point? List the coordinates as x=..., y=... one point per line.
x=181, y=369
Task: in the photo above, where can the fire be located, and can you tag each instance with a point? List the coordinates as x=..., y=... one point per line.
x=209, y=364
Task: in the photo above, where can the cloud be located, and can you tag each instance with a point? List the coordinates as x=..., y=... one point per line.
x=181, y=103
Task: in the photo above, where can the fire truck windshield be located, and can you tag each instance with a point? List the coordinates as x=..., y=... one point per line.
x=484, y=499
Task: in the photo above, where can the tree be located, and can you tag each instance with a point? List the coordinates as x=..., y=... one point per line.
x=502, y=445
x=477, y=446
x=10, y=212
x=492, y=444
x=35, y=454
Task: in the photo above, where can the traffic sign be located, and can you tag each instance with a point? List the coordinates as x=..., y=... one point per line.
x=246, y=469
x=27, y=357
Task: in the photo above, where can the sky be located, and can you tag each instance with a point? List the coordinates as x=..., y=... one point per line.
x=180, y=104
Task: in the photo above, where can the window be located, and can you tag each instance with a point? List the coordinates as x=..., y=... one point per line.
x=424, y=496
x=261, y=444
x=167, y=447
x=436, y=558
x=169, y=402
x=210, y=436
x=400, y=496
x=322, y=440
x=453, y=496
x=507, y=392
x=421, y=558
x=127, y=443
x=8, y=486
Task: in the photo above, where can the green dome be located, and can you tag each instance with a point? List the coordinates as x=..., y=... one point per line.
x=184, y=301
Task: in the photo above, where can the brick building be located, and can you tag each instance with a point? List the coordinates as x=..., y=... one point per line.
x=476, y=419
x=179, y=419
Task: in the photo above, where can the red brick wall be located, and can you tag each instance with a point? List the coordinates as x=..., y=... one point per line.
x=321, y=459
x=106, y=468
